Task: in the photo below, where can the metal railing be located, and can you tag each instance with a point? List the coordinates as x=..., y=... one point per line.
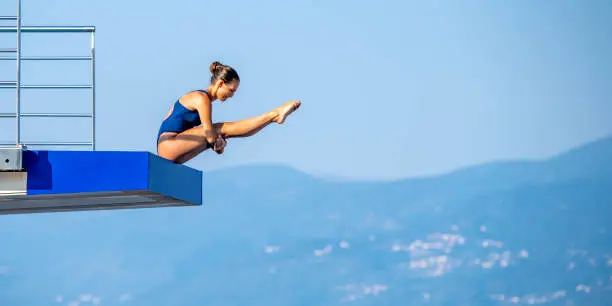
x=19, y=29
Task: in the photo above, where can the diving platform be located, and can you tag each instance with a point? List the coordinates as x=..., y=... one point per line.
x=56, y=181
x=37, y=180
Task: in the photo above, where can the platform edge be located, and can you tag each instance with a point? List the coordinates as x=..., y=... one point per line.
x=175, y=180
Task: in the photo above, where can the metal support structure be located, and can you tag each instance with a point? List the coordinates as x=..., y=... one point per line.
x=17, y=84
x=18, y=79
x=51, y=29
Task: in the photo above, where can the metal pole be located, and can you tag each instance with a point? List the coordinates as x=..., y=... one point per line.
x=51, y=29
x=93, y=92
x=64, y=143
x=18, y=81
x=19, y=29
x=11, y=85
x=47, y=115
x=44, y=58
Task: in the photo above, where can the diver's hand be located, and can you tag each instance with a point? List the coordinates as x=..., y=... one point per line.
x=219, y=144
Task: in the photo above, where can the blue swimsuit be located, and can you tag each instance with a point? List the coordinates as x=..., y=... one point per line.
x=181, y=119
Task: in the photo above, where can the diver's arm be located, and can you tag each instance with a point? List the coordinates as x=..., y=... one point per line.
x=204, y=107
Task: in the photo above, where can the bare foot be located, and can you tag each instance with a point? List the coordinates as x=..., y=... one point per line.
x=285, y=110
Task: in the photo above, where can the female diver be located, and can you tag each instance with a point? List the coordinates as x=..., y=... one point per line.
x=187, y=129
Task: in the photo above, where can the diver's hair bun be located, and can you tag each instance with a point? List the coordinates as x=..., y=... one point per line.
x=222, y=72
x=214, y=66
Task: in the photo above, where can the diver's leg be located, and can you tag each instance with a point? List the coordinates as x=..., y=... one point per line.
x=250, y=126
x=176, y=147
x=186, y=145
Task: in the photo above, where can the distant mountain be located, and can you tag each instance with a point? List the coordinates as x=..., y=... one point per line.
x=511, y=232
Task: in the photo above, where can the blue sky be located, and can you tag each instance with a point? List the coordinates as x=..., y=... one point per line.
x=395, y=89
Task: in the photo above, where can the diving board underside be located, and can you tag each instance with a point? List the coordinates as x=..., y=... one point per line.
x=57, y=181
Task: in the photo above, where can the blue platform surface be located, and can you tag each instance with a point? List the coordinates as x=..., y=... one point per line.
x=66, y=172
x=85, y=180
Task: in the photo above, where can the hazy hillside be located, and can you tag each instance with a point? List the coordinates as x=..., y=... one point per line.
x=521, y=232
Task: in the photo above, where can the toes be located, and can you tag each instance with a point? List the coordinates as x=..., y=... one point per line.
x=295, y=105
